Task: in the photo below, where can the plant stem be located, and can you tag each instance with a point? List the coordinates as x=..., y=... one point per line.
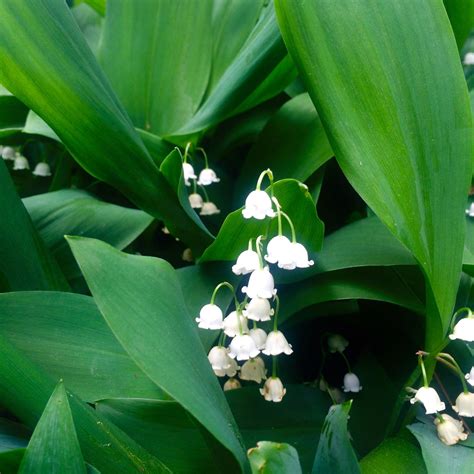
x=267, y=172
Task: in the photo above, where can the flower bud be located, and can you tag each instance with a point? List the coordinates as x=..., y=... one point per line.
x=468, y=59
x=351, y=383
x=261, y=284
x=243, y=347
x=430, y=399
x=273, y=390
x=188, y=173
x=42, y=169
x=231, y=324
x=254, y=369
x=187, y=255
x=337, y=343
x=195, y=200
x=450, y=431
x=277, y=344
x=247, y=262
x=232, y=384
x=465, y=404
x=207, y=176
x=258, y=205
x=258, y=309
x=210, y=317
x=8, y=153
x=209, y=209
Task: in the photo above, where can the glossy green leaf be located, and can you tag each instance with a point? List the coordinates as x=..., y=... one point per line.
x=141, y=300
x=274, y=458
x=13, y=435
x=67, y=337
x=399, y=139
x=439, y=458
x=461, y=16
x=25, y=390
x=54, y=447
x=24, y=261
x=335, y=453
x=74, y=212
x=10, y=460
x=12, y=113
x=157, y=147
x=98, y=5
x=35, y=125
x=90, y=23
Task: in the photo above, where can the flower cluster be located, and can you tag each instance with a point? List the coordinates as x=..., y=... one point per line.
x=20, y=162
x=249, y=343
x=207, y=176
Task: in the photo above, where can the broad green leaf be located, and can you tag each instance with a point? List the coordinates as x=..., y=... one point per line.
x=25, y=390
x=461, y=16
x=439, y=458
x=157, y=55
x=274, y=458
x=399, y=140
x=12, y=435
x=24, y=261
x=44, y=326
x=12, y=113
x=82, y=109
x=90, y=23
x=158, y=148
x=293, y=144
x=98, y=5
x=141, y=300
x=335, y=453
x=35, y=125
x=236, y=231
x=10, y=460
x=74, y=212
x=54, y=447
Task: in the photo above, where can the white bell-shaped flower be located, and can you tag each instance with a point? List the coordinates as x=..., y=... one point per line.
x=243, y=347
x=468, y=59
x=210, y=317
x=464, y=330
x=259, y=309
x=207, y=176
x=254, y=369
x=195, y=199
x=188, y=173
x=261, y=284
x=337, y=343
x=209, y=209
x=470, y=210
x=450, y=431
x=299, y=255
x=273, y=390
x=469, y=376
x=258, y=205
x=351, y=383
x=465, y=404
x=430, y=399
x=230, y=371
x=20, y=163
x=42, y=169
x=276, y=344
x=278, y=249
x=247, y=262
x=232, y=384
x=259, y=336
x=219, y=358
x=231, y=324
x=8, y=153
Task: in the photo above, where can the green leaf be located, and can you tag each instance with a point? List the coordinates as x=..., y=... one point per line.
x=439, y=458
x=90, y=23
x=35, y=125
x=24, y=261
x=54, y=447
x=461, y=16
x=98, y=5
x=141, y=300
x=335, y=453
x=274, y=458
x=12, y=113
x=160, y=81
x=12, y=435
x=44, y=326
x=74, y=212
x=10, y=460
x=399, y=139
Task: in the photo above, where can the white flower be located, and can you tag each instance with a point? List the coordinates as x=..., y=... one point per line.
x=231, y=324
x=8, y=153
x=261, y=284
x=187, y=255
x=232, y=384
x=259, y=336
x=450, y=430
x=351, y=383
x=219, y=358
x=230, y=371
x=273, y=390
x=247, y=262
x=243, y=347
x=258, y=205
x=464, y=330
x=258, y=309
x=278, y=249
x=469, y=376
x=337, y=343
x=195, y=200
x=430, y=399
x=470, y=211
x=209, y=209
x=300, y=256
x=210, y=317
x=207, y=176
x=165, y=230
x=468, y=59
x=254, y=369
x=188, y=173
x=20, y=163
x=277, y=344
x=42, y=169
x=465, y=404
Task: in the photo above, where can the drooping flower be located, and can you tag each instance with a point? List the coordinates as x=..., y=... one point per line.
x=464, y=329
x=277, y=344
x=254, y=369
x=468, y=59
x=470, y=377
x=231, y=324
x=230, y=371
x=232, y=384
x=42, y=169
x=210, y=317
x=450, y=431
x=465, y=404
x=273, y=390
x=195, y=199
x=20, y=163
x=300, y=256
x=247, y=262
x=188, y=173
x=8, y=153
x=258, y=205
x=209, y=209
x=258, y=309
x=219, y=358
x=259, y=336
x=430, y=399
x=351, y=383
x=207, y=176
x=261, y=284
x=278, y=249
x=187, y=255
x=337, y=343
x=243, y=347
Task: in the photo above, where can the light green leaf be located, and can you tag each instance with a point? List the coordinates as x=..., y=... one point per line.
x=98, y=5
x=54, y=447
x=461, y=16
x=35, y=125
x=141, y=300
x=274, y=458
x=399, y=139
x=12, y=113
x=90, y=23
